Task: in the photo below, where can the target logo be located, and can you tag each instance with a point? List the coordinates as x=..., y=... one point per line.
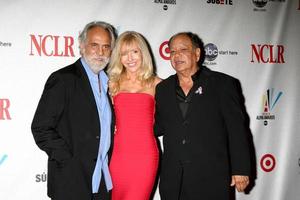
x=164, y=50
x=267, y=162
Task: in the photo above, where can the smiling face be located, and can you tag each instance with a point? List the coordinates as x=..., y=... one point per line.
x=96, y=49
x=131, y=57
x=184, y=56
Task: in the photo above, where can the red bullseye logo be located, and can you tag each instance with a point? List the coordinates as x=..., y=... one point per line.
x=164, y=50
x=267, y=162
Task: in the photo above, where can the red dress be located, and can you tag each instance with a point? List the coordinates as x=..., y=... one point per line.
x=135, y=155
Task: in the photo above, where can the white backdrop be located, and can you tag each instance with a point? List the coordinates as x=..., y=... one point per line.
x=256, y=41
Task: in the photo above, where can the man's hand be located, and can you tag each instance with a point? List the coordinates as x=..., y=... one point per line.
x=240, y=182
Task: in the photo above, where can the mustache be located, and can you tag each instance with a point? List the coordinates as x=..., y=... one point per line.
x=102, y=58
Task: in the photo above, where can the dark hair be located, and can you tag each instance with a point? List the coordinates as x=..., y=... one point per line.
x=196, y=43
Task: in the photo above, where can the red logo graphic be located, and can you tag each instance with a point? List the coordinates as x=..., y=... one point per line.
x=164, y=50
x=267, y=162
x=266, y=54
x=4, y=113
x=52, y=45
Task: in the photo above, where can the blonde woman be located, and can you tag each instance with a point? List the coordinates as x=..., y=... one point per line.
x=132, y=86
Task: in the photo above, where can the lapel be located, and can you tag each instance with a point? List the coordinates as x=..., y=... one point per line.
x=112, y=109
x=85, y=87
x=112, y=127
x=173, y=100
x=201, y=83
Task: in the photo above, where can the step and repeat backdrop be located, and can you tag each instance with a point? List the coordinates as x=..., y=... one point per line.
x=256, y=41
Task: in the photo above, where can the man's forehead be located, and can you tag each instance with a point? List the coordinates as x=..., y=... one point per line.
x=98, y=33
x=181, y=40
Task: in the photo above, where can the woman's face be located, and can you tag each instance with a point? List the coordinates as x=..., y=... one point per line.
x=131, y=57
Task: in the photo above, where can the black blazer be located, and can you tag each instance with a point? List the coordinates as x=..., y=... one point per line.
x=66, y=126
x=213, y=137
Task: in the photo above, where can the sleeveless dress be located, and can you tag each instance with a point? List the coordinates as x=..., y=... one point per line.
x=134, y=161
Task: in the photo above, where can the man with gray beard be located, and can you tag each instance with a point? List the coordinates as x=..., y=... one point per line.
x=74, y=121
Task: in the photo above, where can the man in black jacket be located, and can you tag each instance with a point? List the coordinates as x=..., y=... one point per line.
x=74, y=118
x=201, y=116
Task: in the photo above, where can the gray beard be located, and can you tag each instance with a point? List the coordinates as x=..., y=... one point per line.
x=96, y=68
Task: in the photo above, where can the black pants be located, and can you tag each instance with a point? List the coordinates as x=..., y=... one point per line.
x=103, y=194
x=184, y=180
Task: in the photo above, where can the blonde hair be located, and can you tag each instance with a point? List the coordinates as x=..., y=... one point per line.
x=116, y=68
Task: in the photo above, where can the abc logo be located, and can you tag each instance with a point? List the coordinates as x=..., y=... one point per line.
x=211, y=52
x=260, y=3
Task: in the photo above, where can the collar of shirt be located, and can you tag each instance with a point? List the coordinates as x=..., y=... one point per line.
x=195, y=77
x=179, y=91
x=95, y=77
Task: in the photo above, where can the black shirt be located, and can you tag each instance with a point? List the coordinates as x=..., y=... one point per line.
x=185, y=100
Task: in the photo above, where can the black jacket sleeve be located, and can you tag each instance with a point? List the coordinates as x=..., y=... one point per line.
x=47, y=118
x=158, y=129
x=234, y=115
